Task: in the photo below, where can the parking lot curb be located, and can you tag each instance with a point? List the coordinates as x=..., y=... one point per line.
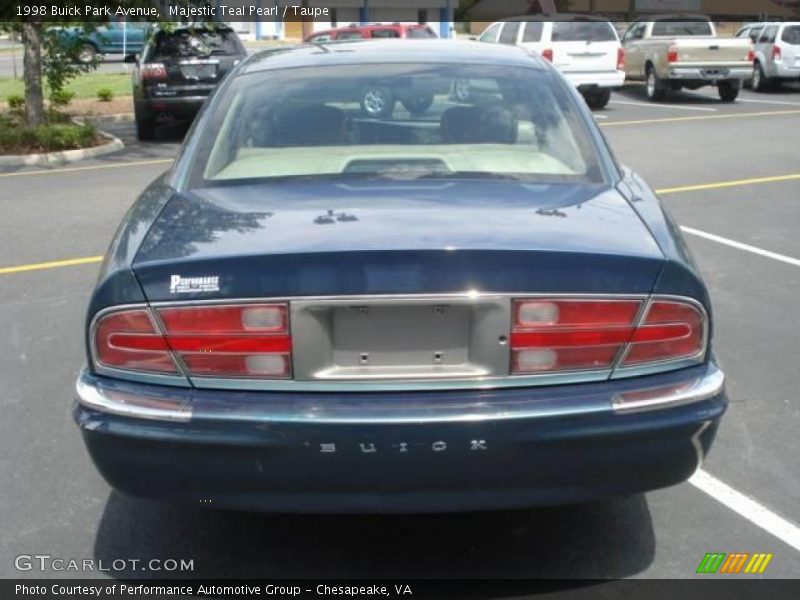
x=65, y=156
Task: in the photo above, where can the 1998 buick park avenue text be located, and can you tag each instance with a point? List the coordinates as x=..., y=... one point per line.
x=441, y=305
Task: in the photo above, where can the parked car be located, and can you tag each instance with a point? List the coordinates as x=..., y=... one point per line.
x=315, y=311
x=379, y=100
x=374, y=31
x=113, y=37
x=177, y=70
x=586, y=50
x=674, y=52
x=776, y=55
x=751, y=32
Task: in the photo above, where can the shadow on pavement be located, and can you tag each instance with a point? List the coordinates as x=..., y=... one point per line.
x=637, y=93
x=612, y=539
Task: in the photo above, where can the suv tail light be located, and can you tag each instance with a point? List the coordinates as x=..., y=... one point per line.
x=547, y=54
x=672, y=54
x=620, y=59
x=551, y=335
x=776, y=53
x=246, y=340
x=153, y=71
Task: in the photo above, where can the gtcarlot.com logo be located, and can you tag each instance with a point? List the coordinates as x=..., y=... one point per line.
x=47, y=562
x=734, y=563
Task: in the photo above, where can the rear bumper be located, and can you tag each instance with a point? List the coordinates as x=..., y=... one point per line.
x=178, y=107
x=604, y=80
x=475, y=450
x=784, y=71
x=709, y=74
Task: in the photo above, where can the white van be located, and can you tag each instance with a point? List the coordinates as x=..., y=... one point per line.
x=586, y=50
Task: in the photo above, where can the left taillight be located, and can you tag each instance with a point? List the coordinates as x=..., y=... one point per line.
x=553, y=335
x=245, y=340
x=130, y=340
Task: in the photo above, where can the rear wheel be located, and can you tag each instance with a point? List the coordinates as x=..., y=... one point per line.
x=598, y=100
x=87, y=53
x=760, y=80
x=419, y=105
x=728, y=90
x=377, y=102
x=654, y=88
x=145, y=126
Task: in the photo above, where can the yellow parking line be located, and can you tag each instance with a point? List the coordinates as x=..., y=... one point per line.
x=727, y=184
x=50, y=265
x=700, y=118
x=118, y=165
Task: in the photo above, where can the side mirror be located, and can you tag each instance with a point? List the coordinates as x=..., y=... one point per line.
x=131, y=58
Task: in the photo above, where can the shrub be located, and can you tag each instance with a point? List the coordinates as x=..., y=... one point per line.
x=105, y=95
x=61, y=97
x=16, y=102
x=64, y=137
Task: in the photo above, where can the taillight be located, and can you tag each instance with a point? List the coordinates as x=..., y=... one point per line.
x=620, y=59
x=551, y=335
x=129, y=340
x=751, y=56
x=776, y=53
x=547, y=54
x=153, y=71
x=670, y=330
x=246, y=340
x=672, y=54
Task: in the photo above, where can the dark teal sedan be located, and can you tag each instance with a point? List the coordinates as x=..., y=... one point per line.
x=475, y=307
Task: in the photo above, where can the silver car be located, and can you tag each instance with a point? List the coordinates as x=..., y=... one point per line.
x=777, y=55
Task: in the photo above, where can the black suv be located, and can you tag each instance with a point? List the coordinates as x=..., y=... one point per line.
x=178, y=69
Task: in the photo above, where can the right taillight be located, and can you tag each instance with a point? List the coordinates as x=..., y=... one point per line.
x=244, y=340
x=776, y=53
x=670, y=330
x=553, y=335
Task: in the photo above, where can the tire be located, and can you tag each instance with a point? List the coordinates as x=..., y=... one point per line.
x=377, y=102
x=419, y=105
x=761, y=82
x=598, y=100
x=728, y=90
x=87, y=53
x=653, y=87
x=145, y=126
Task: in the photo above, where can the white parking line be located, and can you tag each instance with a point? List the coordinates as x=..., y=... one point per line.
x=739, y=245
x=660, y=105
x=753, y=511
x=782, y=102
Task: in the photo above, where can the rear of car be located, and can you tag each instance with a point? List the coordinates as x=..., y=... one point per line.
x=587, y=51
x=470, y=308
x=177, y=71
x=777, y=55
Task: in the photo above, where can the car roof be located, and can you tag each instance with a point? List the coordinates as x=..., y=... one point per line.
x=567, y=17
x=349, y=52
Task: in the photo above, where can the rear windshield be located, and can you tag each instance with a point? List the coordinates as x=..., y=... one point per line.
x=681, y=28
x=195, y=43
x=397, y=121
x=791, y=35
x=583, y=31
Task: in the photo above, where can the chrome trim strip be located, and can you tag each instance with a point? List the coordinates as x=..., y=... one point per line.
x=106, y=399
x=704, y=388
x=95, y=398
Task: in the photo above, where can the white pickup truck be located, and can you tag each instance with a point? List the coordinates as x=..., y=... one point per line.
x=675, y=52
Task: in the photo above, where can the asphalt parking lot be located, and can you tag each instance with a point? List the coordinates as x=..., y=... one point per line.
x=731, y=176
